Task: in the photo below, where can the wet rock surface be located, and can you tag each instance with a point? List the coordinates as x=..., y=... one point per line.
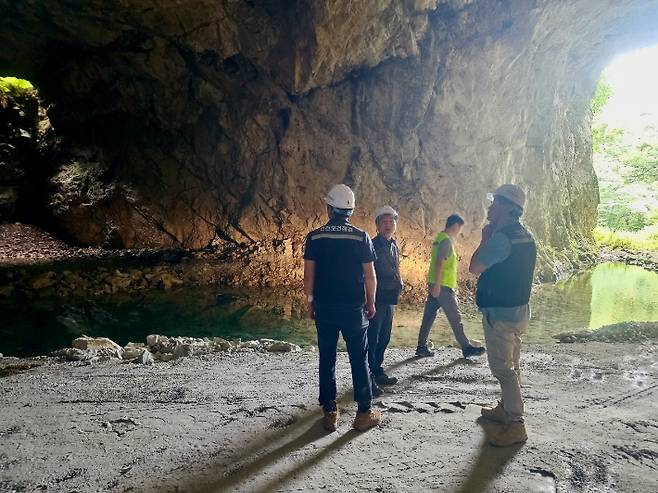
x=646, y=259
x=249, y=421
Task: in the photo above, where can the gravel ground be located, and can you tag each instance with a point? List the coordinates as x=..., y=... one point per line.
x=249, y=422
x=25, y=244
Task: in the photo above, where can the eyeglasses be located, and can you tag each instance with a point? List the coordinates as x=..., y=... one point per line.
x=491, y=198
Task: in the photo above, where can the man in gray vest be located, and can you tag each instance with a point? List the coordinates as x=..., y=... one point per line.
x=389, y=287
x=505, y=264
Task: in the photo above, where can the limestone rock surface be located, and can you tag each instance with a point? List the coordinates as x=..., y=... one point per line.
x=220, y=124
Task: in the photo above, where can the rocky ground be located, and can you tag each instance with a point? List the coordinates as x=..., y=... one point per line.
x=645, y=259
x=245, y=420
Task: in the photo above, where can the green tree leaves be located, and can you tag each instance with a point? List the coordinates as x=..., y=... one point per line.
x=626, y=163
x=602, y=95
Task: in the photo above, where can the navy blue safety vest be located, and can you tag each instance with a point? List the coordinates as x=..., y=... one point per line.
x=339, y=250
x=387, y=268
x=509, y=282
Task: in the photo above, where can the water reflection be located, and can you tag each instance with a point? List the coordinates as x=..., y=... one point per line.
x=623, y=292
x=609, y=293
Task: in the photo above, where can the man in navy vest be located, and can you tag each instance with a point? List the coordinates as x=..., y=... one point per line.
x=389, y=287
x=340, y=284
x=505, y=264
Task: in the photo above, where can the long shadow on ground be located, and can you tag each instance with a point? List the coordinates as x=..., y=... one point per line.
x=490, y=463
x=247, y=466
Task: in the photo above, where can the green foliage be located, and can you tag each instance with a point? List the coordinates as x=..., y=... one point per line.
x=646, y=239
x=642, y=163
x=15, y=87
x=616, y=216
x=602, y=95
x=605, y=138
x=626, y=164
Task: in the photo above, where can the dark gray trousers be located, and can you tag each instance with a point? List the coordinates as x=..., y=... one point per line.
x=379, y=335
x=448, y=301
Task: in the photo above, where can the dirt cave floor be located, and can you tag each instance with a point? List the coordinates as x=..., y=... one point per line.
x=249, y=422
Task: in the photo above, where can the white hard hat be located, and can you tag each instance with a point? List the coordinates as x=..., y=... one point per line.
x=341, y=197
x=512, y=193
x=386, y=209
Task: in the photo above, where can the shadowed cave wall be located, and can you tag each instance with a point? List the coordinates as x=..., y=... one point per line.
x=196, y=123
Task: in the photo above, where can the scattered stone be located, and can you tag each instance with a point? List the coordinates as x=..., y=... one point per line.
x=86, y=342
x=221, y=344
x=133, y=350
x=130, y=353
x=73, y=354
x=279, y=346
x=183, y=349
x=169, y=281
x=250, y=345
x=574, y=336
x=1, y=355
x=163, y=348
x=146, y=358
x=627, y=332
x=119, y=283
x=619, y=332
x=45, y=280
x=153, y=339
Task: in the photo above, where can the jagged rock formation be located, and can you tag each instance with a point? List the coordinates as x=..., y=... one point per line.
x=22, y=170
x=197, y=122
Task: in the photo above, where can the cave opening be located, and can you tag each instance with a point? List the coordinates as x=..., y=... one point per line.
x=625, y=150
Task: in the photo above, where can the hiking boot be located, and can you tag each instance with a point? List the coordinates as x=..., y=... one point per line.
x=367, y=419
x=330, y=420
x=424, y=352
x=469, y=351
x=384, y=379
x=497, y=413
x=376, y=390
x=506, y=435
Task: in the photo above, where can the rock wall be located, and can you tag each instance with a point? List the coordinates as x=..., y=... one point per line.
x=200, y=123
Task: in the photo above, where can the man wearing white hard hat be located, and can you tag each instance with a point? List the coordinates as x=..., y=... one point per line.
x=340, y=285
x=505, y=263
x=389, y=287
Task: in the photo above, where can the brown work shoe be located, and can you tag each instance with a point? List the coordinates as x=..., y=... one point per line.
x=330, y=420
x=497, y=413
x=505, y=435
x=367, y=419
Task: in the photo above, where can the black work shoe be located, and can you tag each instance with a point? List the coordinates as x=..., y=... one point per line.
x=376, y=390
x=424, y=352
x=473, y=351
x=384, y=379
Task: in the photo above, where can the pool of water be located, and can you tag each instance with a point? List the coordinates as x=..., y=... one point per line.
x=606, y=294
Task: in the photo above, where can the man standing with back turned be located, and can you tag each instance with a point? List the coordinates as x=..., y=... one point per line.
x=505, y=264
x=340, y=284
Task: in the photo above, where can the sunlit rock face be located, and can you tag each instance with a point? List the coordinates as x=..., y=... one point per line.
x=197, y=122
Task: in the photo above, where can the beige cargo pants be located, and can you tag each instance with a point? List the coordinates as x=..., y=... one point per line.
x=503, y=340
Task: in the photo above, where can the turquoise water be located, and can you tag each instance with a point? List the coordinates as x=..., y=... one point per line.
x=606, y=294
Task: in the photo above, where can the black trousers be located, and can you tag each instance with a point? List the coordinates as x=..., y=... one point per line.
x=330, y=322
x=379, y=335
